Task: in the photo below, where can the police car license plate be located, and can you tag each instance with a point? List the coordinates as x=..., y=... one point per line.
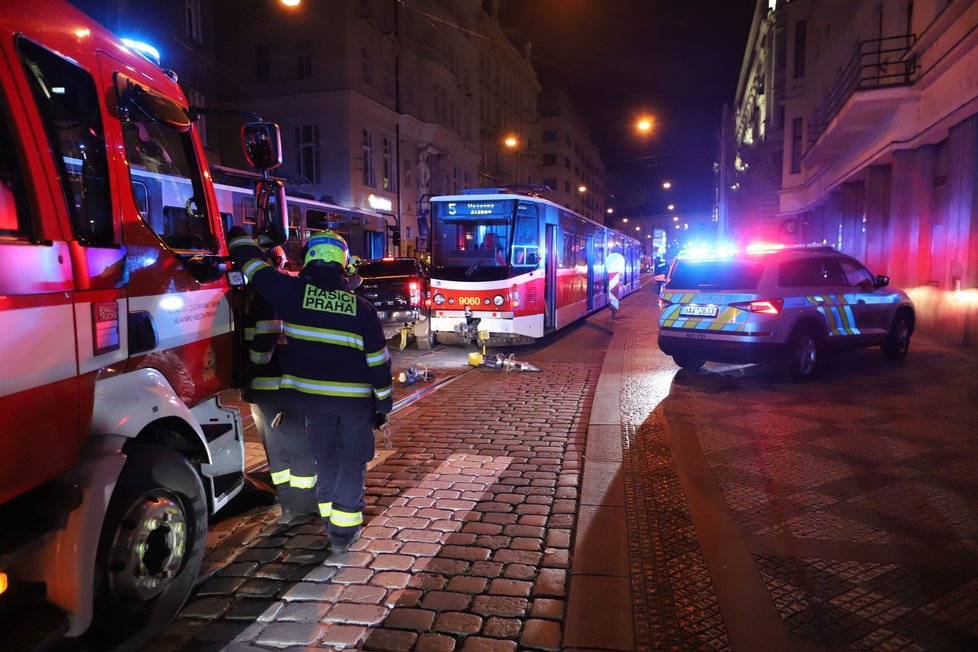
x=698, y=311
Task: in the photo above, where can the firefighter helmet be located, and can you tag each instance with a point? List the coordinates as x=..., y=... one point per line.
x=328, y=247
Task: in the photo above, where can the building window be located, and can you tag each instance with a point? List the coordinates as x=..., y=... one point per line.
x=550, y=136
x=550, y=182
x=263, y=63
x=796, y=135
x=193, y=20
x=307, y=152
x=567, y=163
x=549, y=160
x=801, y=28
x=367, y=152
x=303, y=61
x=389, y=183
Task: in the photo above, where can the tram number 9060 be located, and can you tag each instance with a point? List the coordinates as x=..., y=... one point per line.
x=469, y=301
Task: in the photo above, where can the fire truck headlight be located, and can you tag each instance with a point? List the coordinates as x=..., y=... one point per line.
x=498, y=300
x=439, y=299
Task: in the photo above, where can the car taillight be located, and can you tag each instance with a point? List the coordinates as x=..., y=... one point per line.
x=765, y=306
x=414, y=292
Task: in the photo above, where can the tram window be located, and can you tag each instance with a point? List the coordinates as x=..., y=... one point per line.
x=526, y=237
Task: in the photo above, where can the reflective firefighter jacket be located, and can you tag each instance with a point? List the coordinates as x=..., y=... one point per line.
x=262, y=331
x=335, y=356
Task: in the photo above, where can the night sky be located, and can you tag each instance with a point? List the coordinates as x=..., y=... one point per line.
x=678, y=60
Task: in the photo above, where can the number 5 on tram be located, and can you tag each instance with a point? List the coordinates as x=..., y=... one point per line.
x=508, y=268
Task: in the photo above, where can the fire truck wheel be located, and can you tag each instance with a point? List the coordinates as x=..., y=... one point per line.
x=151, y=547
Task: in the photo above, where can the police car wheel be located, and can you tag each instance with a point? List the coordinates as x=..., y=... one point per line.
x=688, y=363
x=150, y=548
x=897, y=342
x=802, y=356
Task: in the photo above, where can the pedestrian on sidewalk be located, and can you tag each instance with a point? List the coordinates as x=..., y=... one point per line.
x=335, y=369
x=283, y=433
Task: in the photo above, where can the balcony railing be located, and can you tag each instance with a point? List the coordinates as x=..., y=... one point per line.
x=878, y=63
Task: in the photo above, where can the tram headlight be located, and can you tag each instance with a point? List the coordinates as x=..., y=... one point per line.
x=498, y=300
x=439, y=299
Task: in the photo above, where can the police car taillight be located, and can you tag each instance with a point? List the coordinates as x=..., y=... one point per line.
x=766, y=306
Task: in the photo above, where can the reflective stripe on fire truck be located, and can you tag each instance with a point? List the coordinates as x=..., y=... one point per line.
x=185, y=317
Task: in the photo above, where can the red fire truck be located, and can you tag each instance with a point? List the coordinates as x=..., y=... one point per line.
x=116, y=334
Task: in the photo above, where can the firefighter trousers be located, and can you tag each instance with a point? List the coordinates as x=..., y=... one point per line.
x=290, y=460
x=342, y=444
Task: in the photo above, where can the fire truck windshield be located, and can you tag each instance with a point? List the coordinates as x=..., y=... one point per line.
x=165, y=179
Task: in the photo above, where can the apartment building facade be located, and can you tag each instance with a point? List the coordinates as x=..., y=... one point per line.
x=856, y=125
x=570, y=163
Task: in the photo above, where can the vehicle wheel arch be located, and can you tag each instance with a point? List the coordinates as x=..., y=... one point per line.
x=156, y=480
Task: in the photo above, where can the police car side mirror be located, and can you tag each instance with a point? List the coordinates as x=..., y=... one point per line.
x=882, y=280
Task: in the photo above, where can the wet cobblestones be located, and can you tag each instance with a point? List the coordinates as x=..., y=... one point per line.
x=466, y=544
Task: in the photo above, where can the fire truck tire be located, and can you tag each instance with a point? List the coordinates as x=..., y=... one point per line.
x=150, y=549
x=424, y=336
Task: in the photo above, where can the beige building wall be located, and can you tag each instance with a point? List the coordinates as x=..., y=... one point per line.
x=879, y=143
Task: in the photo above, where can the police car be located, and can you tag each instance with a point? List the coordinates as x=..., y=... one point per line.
x=781, y=305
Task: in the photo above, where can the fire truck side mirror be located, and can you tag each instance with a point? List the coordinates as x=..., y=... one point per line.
x=273, y=212
x=262, y=142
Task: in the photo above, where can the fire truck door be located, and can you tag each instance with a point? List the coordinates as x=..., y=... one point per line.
x=39, y=381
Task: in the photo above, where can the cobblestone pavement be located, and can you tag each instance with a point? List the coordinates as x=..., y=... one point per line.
x=466, y=544
x=637, y=506
x=837, y=514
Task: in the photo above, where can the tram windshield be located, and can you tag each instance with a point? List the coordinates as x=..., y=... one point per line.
x=483, y=240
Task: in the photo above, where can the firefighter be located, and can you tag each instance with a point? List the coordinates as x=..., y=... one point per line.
x=335, y=369
x=283, y=433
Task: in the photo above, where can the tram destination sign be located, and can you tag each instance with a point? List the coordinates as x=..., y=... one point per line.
x=480, y=209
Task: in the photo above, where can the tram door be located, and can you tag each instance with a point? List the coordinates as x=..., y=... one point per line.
x=550, y=279
x=590, y=273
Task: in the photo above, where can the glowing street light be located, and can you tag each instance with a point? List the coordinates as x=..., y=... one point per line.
x=610, y=210
x=582, y=188
x=667, y=184
x=511, y=141
x=644, y=125
x=624, y=220
x=291, y=3
x=671, y=207
x=675, y=218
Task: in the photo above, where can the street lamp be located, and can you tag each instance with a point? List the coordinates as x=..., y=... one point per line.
x=582, y=188
x=667, y=184
x=511, y=141
x=671, y=207
x=291, y=3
